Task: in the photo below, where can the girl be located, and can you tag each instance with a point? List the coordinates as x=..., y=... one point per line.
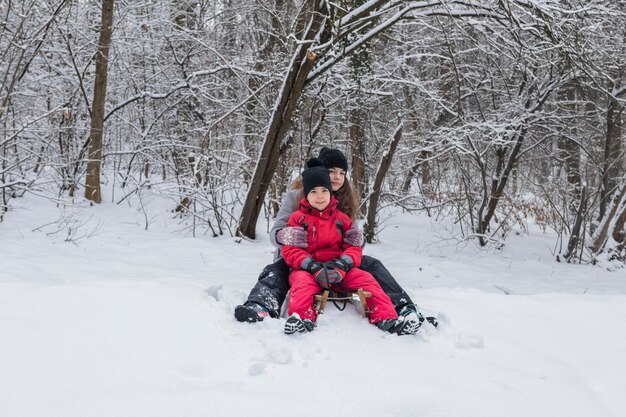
x=267, y=296
x=327, y=261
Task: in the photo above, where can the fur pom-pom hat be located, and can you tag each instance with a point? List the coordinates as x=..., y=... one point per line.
x=333, y=158
x=316, y=175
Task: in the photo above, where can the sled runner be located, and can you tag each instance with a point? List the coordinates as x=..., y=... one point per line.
x=337, y=297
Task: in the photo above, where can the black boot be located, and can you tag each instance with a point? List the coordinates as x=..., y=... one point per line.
x=251, y=312
x=399, y=326
x=295, y=324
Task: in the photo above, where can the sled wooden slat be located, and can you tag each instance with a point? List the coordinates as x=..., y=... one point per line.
x=328, y=295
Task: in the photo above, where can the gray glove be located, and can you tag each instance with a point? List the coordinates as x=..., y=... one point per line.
x=292, y=236
x=344, y=263
x=329, y=275
x=353, y=237
x=325, y=274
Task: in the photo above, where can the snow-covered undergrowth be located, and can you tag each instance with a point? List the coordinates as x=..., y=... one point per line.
x=99, y=317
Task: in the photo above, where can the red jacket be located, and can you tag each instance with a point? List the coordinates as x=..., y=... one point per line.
x=325, y=235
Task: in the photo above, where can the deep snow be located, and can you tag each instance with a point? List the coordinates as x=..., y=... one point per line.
x=129, y=322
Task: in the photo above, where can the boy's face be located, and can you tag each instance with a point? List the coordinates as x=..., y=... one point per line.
x=319, y=198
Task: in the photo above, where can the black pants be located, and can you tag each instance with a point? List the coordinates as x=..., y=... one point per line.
x=273, y=285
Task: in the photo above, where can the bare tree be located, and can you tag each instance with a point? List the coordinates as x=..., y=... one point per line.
x=293, y=85
x=25, y=29
x=329, y=28
x=94, y=164
x=370, y=227
x=510, y=108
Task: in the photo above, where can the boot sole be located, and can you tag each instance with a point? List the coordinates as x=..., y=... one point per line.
x=299, y=326
x=409, y=328
x=294, y=327
x=246, y=314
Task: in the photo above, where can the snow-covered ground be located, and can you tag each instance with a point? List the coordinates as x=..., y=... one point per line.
x=134, y=322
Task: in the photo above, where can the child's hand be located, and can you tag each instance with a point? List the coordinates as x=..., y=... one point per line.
x=325, y=274
x=292, y=236
x=310, y=265
x=344, y=263
x=328, y=276
x=354, y=237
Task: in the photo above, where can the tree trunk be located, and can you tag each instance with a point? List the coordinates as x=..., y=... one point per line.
x=357, y=148
x=619, y=230
x=607, y=225
x=498, y=185
x=575, y=239
x=414, y=130
x=4, y=206
x=427, y=187
x=406, y=185
x=294, y=82
x=92, y=183
x=613, y=153
x=370, y=227
x=268, y=160
x=569, y=150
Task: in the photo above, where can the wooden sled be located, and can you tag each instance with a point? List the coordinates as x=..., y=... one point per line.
x=329, y=295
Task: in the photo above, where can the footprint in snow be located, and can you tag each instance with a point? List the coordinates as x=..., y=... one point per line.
x=214, y=292
x=257, y=368
x=281, y=356
x=273, y=355
x=469, y=342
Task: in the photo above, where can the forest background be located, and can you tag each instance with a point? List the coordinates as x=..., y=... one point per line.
x=493, y=114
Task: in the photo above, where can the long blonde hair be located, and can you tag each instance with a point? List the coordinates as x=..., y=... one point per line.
x=347, y=198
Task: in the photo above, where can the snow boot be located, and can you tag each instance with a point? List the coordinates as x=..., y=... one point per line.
x=411, y=312
x=295, y=324
x=400, y=326
x=251, y=312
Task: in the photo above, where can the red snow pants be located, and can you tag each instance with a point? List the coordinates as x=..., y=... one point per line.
x=304, y=287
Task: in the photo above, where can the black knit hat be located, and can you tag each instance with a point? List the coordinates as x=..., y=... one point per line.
x=333, y=158
x=316, y=175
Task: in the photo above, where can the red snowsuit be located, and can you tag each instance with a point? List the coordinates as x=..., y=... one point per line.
x=325, y=242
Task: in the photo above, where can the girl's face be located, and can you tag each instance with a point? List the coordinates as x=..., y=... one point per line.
x=319, y=198
x=337, y=177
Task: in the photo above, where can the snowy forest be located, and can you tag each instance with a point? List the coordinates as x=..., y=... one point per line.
x=146, y=148
x=493, y=114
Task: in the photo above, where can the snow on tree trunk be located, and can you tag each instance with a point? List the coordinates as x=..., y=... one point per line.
x=612, y=224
